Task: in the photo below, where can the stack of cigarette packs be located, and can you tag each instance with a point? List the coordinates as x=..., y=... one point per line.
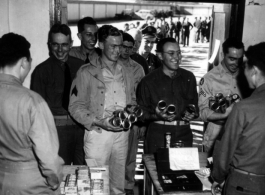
x=81, y=183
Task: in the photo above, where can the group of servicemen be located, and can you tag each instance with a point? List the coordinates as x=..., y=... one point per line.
x=79, y=88
x=180, y=30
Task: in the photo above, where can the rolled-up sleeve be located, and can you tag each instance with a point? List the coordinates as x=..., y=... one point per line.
x=44, y=138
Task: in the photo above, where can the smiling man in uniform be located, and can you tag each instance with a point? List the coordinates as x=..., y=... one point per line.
x=52, y=80
x=100, y=88
x=145, y=50
x=87, y=33
x=221, y=79
x=175, y=86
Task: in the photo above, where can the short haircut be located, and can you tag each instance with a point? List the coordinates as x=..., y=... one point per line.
x=162, y=42
x=232, y=42
x=87, y=20
x=256, y=56
x=127, y=37
x=59, y=28
x=12, y=48
x=107, y=30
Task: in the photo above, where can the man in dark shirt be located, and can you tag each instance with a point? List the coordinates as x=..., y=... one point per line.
x=239, y=155
x=203, y=29
x=178, y=27
x=145, y=50
x=186, y=28
x=52, y=80
x=87, y=33
x=175, y=86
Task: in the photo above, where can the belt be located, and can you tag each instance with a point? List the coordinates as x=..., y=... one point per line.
x=63, y=120
x=15, y=166
x=246, y=173
x=172, y=123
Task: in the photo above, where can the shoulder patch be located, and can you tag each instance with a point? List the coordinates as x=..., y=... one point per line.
x=201, y=81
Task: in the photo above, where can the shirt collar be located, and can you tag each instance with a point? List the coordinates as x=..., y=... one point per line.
x=161, y=72
x=223, y=70
x=259, y=89
x=9, y=79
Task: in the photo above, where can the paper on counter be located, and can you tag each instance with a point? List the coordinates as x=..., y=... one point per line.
x=184, y=159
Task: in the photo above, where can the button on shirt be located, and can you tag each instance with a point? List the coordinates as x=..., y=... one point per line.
x=115, y=96
x=242, y=144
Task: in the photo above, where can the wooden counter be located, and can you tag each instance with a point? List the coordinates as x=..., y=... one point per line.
x=151, y=183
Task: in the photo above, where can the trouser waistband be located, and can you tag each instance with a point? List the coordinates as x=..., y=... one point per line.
x=15, y=166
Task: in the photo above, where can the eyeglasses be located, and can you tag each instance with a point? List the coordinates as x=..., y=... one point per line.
x=63, y=45
x=172, y=53
x=129, y=48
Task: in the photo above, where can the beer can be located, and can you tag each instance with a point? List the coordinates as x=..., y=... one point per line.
x=222, y=105
x=167, y=139
x=126, y=124
x=215, y=107
x=115, y=121
x=132, y=118
x=218, y=96
x=228, y=100
x=138, y=111
x=235, y=97
x=161, y=105
x=171, y=109
x=123, y=115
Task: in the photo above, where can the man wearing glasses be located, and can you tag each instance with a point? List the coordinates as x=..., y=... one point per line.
x=87, y=33
x=52, y=80
x=100, y=88
x=175, y=86
x=138, y=74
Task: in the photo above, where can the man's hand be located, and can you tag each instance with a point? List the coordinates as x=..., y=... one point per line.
x=105, y=124
x=217, y=188
x=229, y=109
x=162, y=115
x=188, y=116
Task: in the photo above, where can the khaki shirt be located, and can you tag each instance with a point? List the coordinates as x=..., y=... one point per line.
x=218, y=80
x=27, y=129
x=77, y=52
x=87, y=95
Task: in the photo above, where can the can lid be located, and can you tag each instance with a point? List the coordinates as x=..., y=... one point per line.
x=168, y=133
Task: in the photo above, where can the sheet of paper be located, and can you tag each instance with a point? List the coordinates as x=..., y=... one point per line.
x=184, y=159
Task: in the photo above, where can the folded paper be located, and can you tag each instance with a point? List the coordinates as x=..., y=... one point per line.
x=184, y=159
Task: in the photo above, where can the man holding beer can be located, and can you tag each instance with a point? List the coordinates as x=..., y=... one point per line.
x=177, y=88
x=215, y=86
